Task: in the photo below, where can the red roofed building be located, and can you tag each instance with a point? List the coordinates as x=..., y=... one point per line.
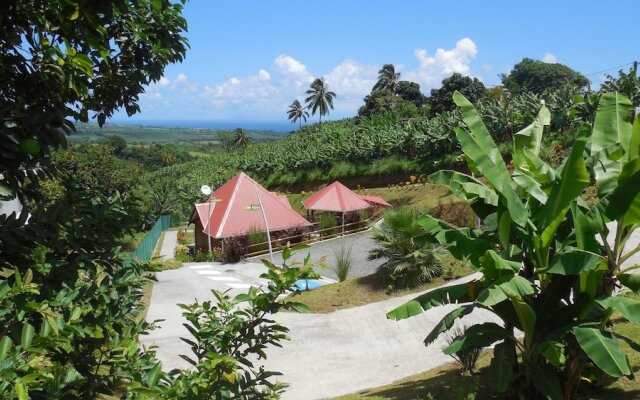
x=230, y=216
x=337, y=198
x=375, y=201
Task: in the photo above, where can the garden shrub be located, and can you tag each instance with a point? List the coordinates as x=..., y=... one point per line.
x=344, y=261
x=234, y=248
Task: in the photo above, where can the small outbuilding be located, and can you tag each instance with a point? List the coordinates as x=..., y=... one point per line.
x=338, y=198
x=240, y=207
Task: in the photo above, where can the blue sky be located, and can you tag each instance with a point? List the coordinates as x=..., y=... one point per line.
x=249, y=59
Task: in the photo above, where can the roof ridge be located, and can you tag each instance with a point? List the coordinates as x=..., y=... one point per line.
x=227, y=211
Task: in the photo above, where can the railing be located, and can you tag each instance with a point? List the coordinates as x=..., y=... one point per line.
x=144, y=250
x=316, y=235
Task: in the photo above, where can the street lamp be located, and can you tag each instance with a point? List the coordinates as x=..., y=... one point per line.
x=206, y=190
x=255, y=207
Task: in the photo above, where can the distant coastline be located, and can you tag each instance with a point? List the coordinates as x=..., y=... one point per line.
x=276, y=126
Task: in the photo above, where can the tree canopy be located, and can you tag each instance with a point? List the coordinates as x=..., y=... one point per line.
x=387, y=78
x=320, y=98
x=536, y=76
x=62, y=60
x=442, y=99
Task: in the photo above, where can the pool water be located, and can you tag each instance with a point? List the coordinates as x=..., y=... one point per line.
x=304, y=284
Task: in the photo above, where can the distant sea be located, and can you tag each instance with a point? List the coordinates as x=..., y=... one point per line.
x=276, y=126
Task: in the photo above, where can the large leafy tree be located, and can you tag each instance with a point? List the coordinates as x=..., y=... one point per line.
x=385, y=102
x=297, y=112
x=387, y=78
x=320, y=98
x=410, y=91
x=62, y=60
x=536, y=76
x=69, y=306
x=442, y=99
x=550, y=260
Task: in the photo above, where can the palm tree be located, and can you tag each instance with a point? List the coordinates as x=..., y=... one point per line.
x=297, y=112
x=409, y=259
x=320, y=98
x=241, y=139
x=387, y=78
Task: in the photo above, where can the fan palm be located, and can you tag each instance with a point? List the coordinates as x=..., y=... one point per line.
x=387, y=78
x=402, y=243
x=320, y=98
x=241, y=139
x=297, y=112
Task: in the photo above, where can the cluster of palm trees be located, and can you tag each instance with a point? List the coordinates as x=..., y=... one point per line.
x=319, y=99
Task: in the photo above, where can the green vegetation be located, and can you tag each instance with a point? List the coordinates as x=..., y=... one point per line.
x=319, y=99
x=532, y=76
x=543, y=270
x=368, y=289
x=446, y=382
x=343, y=262
x=408, y=257
x=142, y=134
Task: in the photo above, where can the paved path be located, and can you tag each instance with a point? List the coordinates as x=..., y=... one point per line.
x=328, y=354
x=358, y=348
x=168, y=249
x=358, y=243
x=193, y=282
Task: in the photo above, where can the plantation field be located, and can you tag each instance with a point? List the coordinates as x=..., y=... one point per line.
x=153, y=134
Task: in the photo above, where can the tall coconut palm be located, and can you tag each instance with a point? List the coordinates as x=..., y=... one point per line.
x=297, y=112
x=241, y=139
x=320, y=98
x=387, y=78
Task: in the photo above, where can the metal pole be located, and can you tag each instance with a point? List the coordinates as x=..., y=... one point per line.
x=266, y=224
x=209, y=225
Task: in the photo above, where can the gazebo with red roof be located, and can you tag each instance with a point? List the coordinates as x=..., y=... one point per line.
x=338, y=198
x=230, y=215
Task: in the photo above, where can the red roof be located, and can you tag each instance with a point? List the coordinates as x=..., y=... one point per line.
x=375, y=200
x=335, y=197
x=229, y=214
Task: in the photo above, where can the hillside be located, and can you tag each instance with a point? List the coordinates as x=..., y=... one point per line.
x=155, y=134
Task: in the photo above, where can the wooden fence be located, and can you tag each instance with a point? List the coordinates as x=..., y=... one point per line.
x=313, y=236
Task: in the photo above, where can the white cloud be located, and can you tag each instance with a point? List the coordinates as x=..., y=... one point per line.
x=443, y=63
x=264, y=75
x=254, y=88
x=269, y=91
x=290, y=66
x=550, y=58
x=181, y=78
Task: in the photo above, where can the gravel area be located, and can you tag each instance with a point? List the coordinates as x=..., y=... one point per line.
x=359, y=243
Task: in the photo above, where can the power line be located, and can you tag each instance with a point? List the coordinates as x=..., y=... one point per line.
x=610, y=69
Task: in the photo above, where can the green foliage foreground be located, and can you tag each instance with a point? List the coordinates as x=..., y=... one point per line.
x=548, y=269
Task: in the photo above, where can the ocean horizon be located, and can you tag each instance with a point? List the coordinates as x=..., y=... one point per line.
x=257, y=125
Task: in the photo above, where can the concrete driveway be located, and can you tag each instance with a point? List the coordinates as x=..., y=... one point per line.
x=328, y=354
x=193, y=282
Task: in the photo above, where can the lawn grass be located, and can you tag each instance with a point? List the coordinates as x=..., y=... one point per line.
x=446, y=382
x=367, y=289
x=421, y=196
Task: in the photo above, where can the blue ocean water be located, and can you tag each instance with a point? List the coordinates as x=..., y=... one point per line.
x=276, y=126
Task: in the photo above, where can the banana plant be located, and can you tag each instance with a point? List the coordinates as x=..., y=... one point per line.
x=548, y=263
